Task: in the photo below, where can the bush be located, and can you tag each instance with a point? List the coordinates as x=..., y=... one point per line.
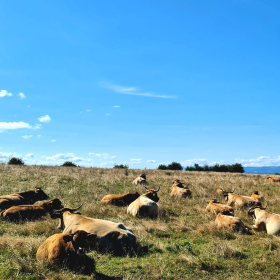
x=121, y=166
x=234, y=168
x=16, y=161
x=69, y=164
x=172, y=166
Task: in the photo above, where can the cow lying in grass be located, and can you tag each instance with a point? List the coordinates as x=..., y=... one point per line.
x=216, y=207
x=239, y=201
x=231, y=223
x=68, y=251
x=180, y=190
x=110, y=237
x=145, y=205
x=264, y=220
x=256, y=195
x=119, y=199
x=30, y=212
x=20, y=198
x=140, y=180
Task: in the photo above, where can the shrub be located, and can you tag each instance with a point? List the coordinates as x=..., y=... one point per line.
x=172, y=166
x=121, y=166
x=69, y=164
x=16, y=161
x=162, y=167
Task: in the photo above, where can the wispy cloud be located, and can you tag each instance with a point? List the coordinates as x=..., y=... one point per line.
x=151, y=161
x=17, y=125
x=26, y=136
x=116, y=106
x=53, y=140
x=133, y=91
x=30, y=155
x=103, y=156
x=45, y=119
x=5, y=93
x=260, y=161
x=68, y=156
x=136, y=160
x=21, y=95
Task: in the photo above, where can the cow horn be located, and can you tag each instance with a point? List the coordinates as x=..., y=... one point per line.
x=250, y=209
x=233, y=190
x=157, y=189
x=75, y=209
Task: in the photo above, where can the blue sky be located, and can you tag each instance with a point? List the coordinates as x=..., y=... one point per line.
x=140, y=82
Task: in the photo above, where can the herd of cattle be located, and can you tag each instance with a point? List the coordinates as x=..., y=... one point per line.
x=81, y=234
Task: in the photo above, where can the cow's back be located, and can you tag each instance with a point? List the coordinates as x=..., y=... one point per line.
x=7, y=201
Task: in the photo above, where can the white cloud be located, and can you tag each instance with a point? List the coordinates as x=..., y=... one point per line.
x=21, y=95
x=116, y=106
x=88, y=110
x=133, y=91
x=53, y=140
x=30, y=155
x=16, y=125
x=260, y=161
x=45, y=119
x=104, y=156
x=151, y=161
x=5, y=93
x=4, y=156
x=108, y=114
x=136, y=161
x=68, y=157
x=200, y=161
x=26, y=136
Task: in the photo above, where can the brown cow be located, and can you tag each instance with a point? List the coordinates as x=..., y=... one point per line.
x=240, y=201
x=180, y=190
x=255, y=194
x=145, y=205
x=140, y=180
x=119, y=199
x=216, y=207
x=111, y=237
x=20, y=198
x=273, y=180
x=232, y=223
x=68, y=251
x=30, y=212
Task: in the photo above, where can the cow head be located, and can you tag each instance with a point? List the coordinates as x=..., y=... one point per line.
x=213, y=200
x=152, y=194
x=255, y=192
x=58, y=214
x=143, y=176
x=251, y=211
x=79, y=240
x=54, y=204
x=227, y=212
x=225, y=193
x=40, y=194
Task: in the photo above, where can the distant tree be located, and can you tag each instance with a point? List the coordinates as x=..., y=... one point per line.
x=16, y=161
x=162, y=167
x=121, y=166
x=69, y=164
x=237, y=168
x=174, y=166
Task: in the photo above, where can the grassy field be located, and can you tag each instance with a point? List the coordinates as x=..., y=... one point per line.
x=186, y=243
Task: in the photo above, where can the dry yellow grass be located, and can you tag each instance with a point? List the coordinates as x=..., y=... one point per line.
x=186, y=243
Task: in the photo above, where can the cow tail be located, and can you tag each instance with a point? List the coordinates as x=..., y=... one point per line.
x=2, y=215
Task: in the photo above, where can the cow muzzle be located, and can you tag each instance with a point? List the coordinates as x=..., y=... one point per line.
x=81, y=251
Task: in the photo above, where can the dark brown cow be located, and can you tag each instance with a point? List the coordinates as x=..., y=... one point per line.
x=68, y=251
x=30, y=212
x=119, y=199
x=20, y=198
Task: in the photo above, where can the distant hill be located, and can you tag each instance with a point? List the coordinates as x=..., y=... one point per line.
x=262, y=170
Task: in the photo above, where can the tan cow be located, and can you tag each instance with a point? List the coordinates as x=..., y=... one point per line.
x=256, y=195
x=180, y=190
x=140, y=180
x=119, y=199
x=232, y=223
x=145, y=205
x=216, y=207
x=111, y=237
x=20, y=198
x=240, y=201
x=30, y=212
x=264, y=220
x=273, y=180
x=68, y=251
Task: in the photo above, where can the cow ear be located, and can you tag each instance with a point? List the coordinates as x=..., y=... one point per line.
x=68, y=238
x=91, y=237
